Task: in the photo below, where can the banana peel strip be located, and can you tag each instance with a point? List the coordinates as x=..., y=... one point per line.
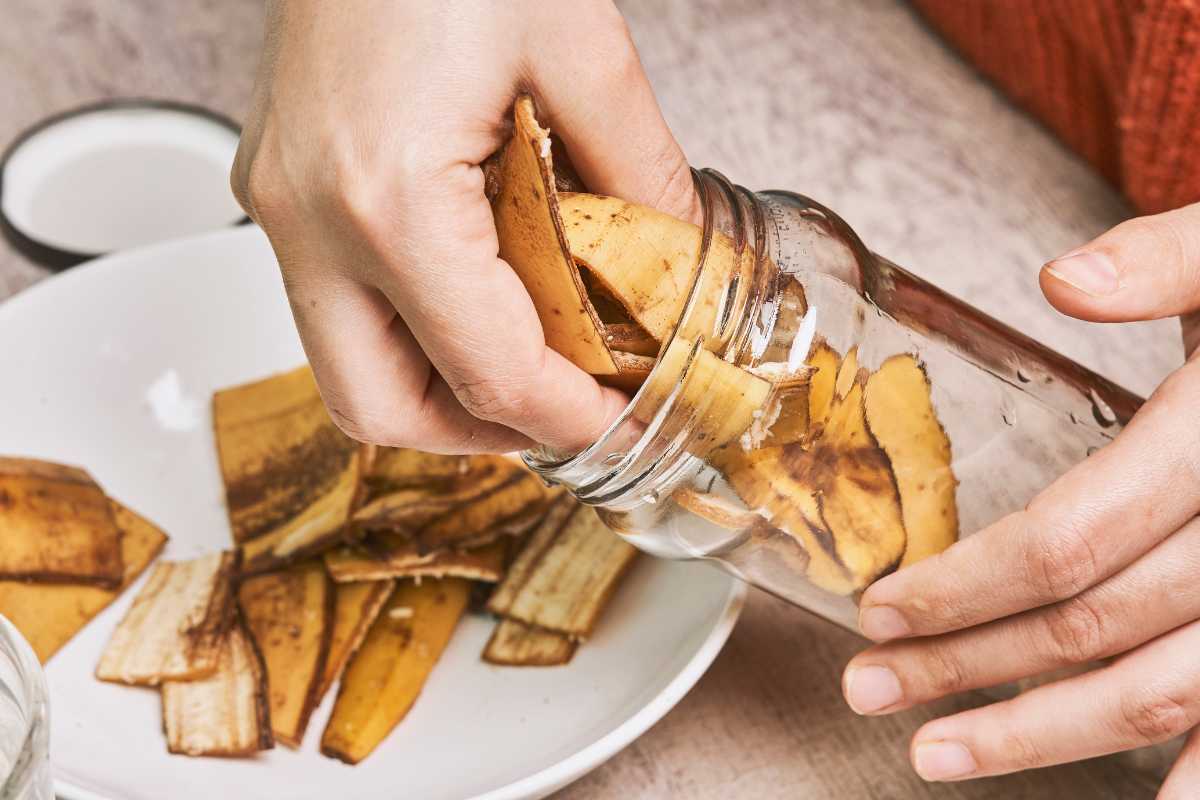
x=505, y=510
x=356, y=607
x=899, y=410
x=290, y=614
x=568, y=585
x=385, y=676
x=291, y=476
x=175, y=627
x=530, y=554
x=516, y=644
x=395, y=468
x=723, y=399
x=57, y=526
x=225, y=713
x=836, y=492
x=416, y=505
x=48, y=616
x=531, y=238
x=648, y=262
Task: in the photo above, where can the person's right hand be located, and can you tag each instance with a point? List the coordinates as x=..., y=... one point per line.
x=360, y=160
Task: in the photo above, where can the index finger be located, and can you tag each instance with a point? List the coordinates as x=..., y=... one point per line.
x=1097, y=518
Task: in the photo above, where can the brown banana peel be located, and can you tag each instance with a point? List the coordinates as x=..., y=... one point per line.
x=49, y=615
x=290, y=614
x=385, y=676
x=900, y=414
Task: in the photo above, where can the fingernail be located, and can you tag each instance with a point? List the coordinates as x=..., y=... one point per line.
x=871, y=689
x=943, y=761
x=882, y=623
x=1091, y=273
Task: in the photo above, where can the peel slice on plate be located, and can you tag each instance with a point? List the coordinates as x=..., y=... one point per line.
x=291, y=477
x=516, y=644
x=49, y=615
x=290, y=614
x=370, y=562
x=226, y=713
x=174, y=629
x=416, y=505
x=57, y=526
x=572, y=579
x=504, y=510
x=383, y=680
x=396, y=468
x=530, y=552
x=356, y=606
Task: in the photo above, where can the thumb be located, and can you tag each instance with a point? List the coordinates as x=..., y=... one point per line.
x=1146, y=268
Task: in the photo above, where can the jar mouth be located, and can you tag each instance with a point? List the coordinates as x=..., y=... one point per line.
x=648, y=440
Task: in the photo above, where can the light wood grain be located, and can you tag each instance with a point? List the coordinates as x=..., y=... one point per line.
x=853, y=103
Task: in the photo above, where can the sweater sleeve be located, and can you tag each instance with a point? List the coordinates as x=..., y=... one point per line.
x=1117, y=80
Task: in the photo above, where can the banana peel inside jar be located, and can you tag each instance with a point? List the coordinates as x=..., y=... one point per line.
x=852, y=464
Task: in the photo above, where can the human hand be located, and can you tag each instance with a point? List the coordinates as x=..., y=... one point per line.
x=1103, y=563
x=361, y=160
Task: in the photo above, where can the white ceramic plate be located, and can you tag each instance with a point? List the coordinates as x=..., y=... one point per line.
x=78, y=354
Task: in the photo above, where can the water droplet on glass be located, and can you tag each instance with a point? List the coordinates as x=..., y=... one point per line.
x=1092, y=450
x=1102, y=411
x=650, y=497
x=1008, y=419
x=1021, y=376
x=613, y=458
x=1074, y=419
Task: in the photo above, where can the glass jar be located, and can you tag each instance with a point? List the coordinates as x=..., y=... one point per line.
x=821, y=417
x=24, y=720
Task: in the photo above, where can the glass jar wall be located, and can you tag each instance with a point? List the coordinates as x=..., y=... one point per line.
x=820, y=417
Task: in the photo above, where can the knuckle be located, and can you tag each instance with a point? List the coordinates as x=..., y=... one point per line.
x=1150, y=717
x=367, y=424
x=1061, y=564
x=1076, y=630
x=946, y=673
x=676, y=194
x=493, y=399
x=265, y=193
x=1021, y=752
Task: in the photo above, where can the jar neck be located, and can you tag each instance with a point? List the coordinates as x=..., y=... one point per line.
x=647, y=447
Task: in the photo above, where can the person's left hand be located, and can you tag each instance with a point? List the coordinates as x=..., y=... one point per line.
x=1104, y=562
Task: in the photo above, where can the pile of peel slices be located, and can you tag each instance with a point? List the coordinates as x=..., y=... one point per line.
x=350, y=566
x=845, y=468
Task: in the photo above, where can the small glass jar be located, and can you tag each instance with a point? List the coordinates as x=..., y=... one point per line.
x=24, y=721
x=821, y=417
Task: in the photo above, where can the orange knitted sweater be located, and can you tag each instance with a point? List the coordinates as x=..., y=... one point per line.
x=1117, y=80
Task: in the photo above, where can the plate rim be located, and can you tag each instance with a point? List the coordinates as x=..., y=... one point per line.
x=537, y=784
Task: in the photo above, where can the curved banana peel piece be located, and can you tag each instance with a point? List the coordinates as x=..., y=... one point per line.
x=902, y=419
x=530, y=233
x=824, y=361
x=647, y=261
x=835, y=493
x=723, y=398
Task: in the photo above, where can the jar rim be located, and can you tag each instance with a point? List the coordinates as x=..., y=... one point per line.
x=592, y=471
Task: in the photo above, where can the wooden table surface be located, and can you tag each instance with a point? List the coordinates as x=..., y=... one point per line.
x=854, y=103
